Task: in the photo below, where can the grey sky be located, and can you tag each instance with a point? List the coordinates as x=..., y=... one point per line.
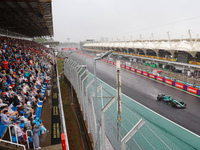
x=93, y=19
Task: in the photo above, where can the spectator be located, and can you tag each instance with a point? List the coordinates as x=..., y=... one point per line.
x=5, y=64
x=2, y=104
x=19, y=132
x=4, y=119
x=26, y=121
x=36, y=129
x=22, y=73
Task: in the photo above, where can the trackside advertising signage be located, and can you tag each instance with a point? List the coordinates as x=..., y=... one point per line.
x=133, y=69
x=168, y=81
x=152, y=76
x=139, y=71
x=159, y=78
x=127, y=68
x=145, y=73
x=179, y=85
x=191, y=89
x=70, y=48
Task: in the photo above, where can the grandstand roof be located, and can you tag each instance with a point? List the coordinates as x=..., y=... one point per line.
x=31, y=18
x=191, y=47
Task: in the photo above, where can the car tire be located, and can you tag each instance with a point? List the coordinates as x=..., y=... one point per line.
x=173, y=104
x=158, y=99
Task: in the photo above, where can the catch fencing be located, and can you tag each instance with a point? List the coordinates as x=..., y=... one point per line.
x=101, y=115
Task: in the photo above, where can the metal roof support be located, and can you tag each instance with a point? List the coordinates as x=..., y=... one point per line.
x=190, y=39
x=21, y=16
x=181, y=38
x=152, y=37
x=169, y=40
x=19, y=7
x=196, y=38
x=141, y=39
x=10, y=11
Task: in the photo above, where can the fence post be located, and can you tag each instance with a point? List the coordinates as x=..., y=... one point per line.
x=103, y=121
x=131, y=133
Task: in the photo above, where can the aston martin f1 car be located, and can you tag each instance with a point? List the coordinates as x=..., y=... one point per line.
x=173, y=102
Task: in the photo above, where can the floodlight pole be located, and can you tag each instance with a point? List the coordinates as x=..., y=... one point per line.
x=118, y=102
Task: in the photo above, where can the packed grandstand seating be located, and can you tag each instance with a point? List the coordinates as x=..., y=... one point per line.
x=24, y=75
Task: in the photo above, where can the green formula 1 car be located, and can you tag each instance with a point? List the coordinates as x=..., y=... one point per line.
x=173, y=102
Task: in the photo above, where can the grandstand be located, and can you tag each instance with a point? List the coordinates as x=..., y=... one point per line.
x=27, y=73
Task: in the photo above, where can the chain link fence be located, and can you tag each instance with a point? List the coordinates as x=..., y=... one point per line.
x=101, y=115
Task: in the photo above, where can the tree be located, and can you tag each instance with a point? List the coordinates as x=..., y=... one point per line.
x=40, y=40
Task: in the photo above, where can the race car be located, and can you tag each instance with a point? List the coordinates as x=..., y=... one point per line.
x=173, y=102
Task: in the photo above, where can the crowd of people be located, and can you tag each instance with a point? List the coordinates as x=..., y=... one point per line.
x=25, y=66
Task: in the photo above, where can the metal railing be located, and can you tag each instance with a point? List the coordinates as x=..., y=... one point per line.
x=13, y=143
x=27, y=138
x=10, y=132
x=62, y=116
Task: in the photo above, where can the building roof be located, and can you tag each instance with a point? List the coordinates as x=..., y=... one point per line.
x=190, y=47
x=30, y=18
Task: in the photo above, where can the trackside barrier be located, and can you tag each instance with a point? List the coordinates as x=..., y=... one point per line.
x=65, y=144
x=157, y=133
x=63, y=141
x=164, y=80
x=131, y=133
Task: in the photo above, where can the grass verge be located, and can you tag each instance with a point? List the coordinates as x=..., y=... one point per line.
x=74, y=137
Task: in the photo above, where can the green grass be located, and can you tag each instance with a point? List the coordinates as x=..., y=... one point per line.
x=59, y=65
x=74, y=137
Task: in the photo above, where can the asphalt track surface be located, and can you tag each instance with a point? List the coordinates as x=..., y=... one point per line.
x=145, y=91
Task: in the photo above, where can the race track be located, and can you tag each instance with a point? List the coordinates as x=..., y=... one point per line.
x=145, y=91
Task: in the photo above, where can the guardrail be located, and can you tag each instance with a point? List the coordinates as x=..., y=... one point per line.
x=62, y=116
x=13, y=143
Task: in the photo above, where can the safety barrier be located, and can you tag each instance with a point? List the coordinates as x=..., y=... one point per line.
x=158, y=78
x=157, y=132
x=64, y=137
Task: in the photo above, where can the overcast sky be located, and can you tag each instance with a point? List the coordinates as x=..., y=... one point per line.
x=92, y=19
